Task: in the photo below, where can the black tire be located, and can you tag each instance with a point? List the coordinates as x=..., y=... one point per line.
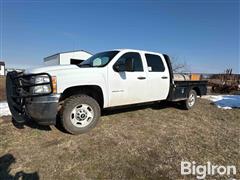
x=75, y=102
x=188, y=103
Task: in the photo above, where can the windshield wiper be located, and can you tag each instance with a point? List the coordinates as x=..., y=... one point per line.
x=82, y=65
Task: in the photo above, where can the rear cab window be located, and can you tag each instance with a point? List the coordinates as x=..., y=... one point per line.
x=154, y=63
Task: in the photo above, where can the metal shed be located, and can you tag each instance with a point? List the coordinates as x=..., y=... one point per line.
x=70, y=57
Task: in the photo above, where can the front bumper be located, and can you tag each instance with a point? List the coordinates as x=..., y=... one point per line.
x=42, y=108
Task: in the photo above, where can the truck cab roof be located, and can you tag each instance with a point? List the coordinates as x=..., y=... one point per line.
x=137, y=50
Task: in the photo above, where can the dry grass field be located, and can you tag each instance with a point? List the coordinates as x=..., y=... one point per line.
x=2, y=88
x=146, y=142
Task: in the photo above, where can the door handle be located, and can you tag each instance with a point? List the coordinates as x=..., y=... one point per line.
x=141, y=78
x=164, y=77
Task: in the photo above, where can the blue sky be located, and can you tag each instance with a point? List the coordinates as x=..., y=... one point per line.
x=203, y=34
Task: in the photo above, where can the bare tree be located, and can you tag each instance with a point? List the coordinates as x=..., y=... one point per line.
x=179, y=67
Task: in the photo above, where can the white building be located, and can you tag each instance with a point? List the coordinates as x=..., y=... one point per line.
x=71, y=57
x=2, y=68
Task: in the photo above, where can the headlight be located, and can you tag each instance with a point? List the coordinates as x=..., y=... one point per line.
x=41, y=89
x=42, y=79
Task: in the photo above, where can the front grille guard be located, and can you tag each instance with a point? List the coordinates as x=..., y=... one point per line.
x=18, y=89
x=23, y=85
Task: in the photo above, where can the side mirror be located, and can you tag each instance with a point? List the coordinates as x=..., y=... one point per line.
x=116, y=67
x=121, y=67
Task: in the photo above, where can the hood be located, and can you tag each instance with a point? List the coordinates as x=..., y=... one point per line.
x=48, y=69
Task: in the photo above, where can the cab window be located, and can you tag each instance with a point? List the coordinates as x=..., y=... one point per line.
x=137, y=61
x=155, y=63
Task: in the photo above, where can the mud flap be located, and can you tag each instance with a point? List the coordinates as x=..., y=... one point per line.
x=16, y=109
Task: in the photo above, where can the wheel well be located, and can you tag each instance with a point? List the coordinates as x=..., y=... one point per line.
x=90, y=90
x=197, y=91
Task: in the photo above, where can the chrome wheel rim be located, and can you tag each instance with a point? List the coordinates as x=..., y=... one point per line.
x=191, y=100
x=81, y=115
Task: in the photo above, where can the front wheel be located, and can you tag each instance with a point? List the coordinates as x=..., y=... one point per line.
x=191, y=100
x=80, y=114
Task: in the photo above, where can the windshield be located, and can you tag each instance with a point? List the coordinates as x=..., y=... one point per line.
x=99, y=59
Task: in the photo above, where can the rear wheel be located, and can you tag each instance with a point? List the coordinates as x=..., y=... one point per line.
x=191, y=100
x=80, y=114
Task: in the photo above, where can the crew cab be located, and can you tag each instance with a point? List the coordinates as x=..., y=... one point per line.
x=78, y=93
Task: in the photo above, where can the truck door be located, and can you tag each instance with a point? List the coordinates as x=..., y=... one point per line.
x=158, y=77
x=127, y=87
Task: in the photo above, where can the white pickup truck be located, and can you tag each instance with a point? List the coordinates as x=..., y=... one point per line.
x=78, y=93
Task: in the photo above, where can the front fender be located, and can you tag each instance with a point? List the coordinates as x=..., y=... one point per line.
x=66, y=83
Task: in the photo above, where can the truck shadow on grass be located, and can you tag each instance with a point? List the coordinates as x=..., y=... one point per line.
x=33, y=125
x=5, y=162
x=154, y=106
x=30, y=124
